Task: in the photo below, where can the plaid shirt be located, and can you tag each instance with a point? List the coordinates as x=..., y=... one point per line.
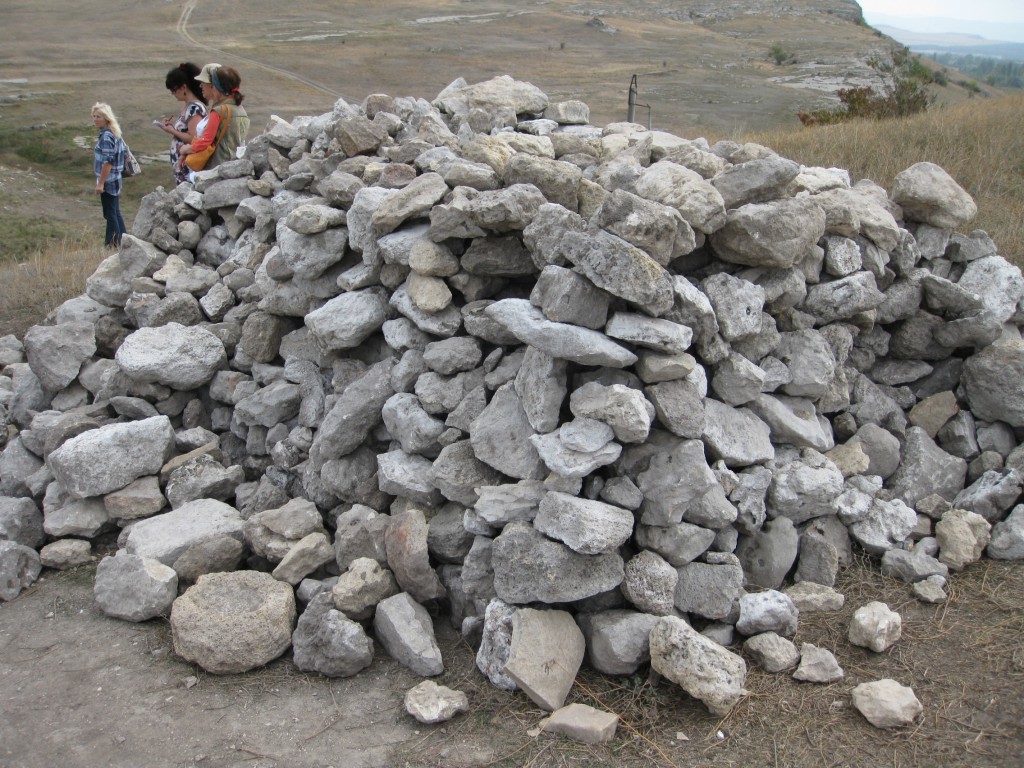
x=109, y=149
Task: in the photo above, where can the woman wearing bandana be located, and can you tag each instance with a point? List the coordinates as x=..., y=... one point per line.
x=220, y=89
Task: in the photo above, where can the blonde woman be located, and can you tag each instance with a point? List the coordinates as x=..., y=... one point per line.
x=107, y=164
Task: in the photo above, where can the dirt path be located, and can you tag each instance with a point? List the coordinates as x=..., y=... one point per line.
x=79, y=689
x=183, y=31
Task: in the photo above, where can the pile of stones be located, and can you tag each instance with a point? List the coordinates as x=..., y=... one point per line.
x=590, y=393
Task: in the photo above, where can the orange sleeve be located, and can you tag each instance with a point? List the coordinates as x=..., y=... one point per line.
x=209, y=134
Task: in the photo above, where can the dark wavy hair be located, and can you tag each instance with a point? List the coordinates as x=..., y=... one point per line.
x=229, y=80
x=185, y=74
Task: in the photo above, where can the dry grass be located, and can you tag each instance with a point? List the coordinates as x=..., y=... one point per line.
x=32, y=289
x=978, y=142
x=964, y=661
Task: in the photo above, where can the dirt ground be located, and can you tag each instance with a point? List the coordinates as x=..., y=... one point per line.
x=80, y=689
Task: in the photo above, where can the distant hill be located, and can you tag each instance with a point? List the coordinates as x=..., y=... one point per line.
x=960, y=43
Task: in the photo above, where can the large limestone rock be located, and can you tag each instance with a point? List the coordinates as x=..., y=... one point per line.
x=166, y=537
x=182, y=357
x=930, y=195
x=701, y=667
x=233, y=622
x=545, y=654
x=110, y=457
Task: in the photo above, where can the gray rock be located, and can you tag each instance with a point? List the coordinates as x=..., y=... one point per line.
x=768, y=555
x=768, y=611
x=709, y=590
x=772, y=652
x=992, y=385
x=925, y=468
x=565, y=296
x=755, y=181
x=495, y=643
x=56, y=353
x=962, y=537
x=930, y=195
x=818, y=665
x=404, y=629
x=528, y=567
x=992, y=494
x=650, y=583
x=1007, y=541
x=347, y=320
x=430, y=703
x=673, y=185
x=21, y=522
x=19, y=568
x=166, y=537
x=211, y=555
x=409, y=476
x=273, y=532
x=108, y=458
x=405, y=541
x=657, y=229
x=325, y=641
x=305, y=556
x=561, y=340
x=679, y=543
x=359, y=589
x=182, y=357
x=793, y=421
x=778, y=234
x=912, y=566
x=885, y=703
x=354, y=414
x=701, y=667
x=582, y=723
x=134, y=588
x=65, y=553
x=617, y=640
x=585, y=526
x=810, y=597
x=359, y=532
x=804, y=488
x=202, y=478
x=63, y=516
x=500, y=437
x=735, y=435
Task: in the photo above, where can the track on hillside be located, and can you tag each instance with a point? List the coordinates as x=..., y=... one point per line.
x=182, y=29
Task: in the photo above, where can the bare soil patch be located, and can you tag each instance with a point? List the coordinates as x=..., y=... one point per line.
x=81, y=689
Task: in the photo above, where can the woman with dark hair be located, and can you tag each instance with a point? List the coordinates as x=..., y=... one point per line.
x=107, y=164
x=183, y=127
x=227, y=124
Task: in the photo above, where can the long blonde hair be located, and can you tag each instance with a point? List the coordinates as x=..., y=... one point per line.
x=103, y=109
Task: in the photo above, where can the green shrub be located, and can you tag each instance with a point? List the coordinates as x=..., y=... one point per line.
x=903, y=92
x=779, y=54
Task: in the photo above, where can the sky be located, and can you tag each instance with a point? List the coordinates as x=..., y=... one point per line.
x=994, y=19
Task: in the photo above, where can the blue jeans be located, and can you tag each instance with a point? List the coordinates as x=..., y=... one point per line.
x=112, y=213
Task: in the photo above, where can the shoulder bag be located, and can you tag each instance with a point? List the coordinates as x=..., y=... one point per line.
x=198, y=160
